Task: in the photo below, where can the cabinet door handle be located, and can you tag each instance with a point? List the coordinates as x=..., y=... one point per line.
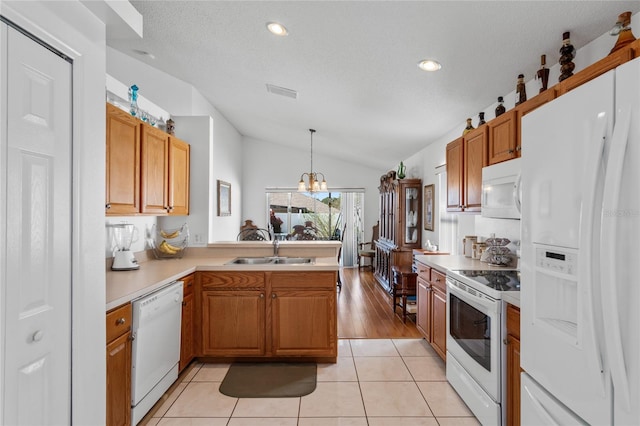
x=505, y=341
x=120, y=321
x=518, y=148
x=273, y=295
x=184, y=303
x=107, y=206
x=261, y=295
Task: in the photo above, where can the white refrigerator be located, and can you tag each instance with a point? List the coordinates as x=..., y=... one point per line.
x=580, y=255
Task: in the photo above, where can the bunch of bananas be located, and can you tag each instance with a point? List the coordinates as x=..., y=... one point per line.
x=168, y=235
x=167, y=248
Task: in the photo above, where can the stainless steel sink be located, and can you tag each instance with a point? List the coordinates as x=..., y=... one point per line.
x=271, y=260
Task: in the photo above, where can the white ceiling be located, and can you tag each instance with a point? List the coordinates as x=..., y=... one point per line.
x=354, y=63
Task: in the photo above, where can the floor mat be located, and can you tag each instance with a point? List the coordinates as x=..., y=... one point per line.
x=269, y=380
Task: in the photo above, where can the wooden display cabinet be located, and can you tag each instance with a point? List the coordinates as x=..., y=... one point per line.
x=400, y=225
x=118, y=328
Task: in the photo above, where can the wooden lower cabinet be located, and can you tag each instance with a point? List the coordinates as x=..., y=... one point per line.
x=268, y=314
x=187, y=344
x=233, y=322
x=118, y=327
x=512, y=342
x=432, y=308
x=439, y=341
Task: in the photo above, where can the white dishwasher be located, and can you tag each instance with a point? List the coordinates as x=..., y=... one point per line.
x=156, y=347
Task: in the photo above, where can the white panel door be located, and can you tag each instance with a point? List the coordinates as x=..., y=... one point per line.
x=37, y=303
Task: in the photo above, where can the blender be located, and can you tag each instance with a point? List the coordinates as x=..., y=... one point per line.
x=123, y=235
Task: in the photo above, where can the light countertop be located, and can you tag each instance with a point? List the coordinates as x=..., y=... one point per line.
x=125, y=286
x=455, y=262
x=445, y=263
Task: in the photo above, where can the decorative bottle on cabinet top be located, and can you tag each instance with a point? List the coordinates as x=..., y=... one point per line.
x=567, y=53
x=481, y=119
x=521, y=90
x=500, y=109
x=623, y=31
x=543, y=74
x=468, y=128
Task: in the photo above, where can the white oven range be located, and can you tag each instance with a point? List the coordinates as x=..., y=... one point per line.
x=475, y=353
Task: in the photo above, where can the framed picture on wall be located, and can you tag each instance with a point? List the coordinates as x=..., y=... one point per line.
x=429, y=195
x=224, y=198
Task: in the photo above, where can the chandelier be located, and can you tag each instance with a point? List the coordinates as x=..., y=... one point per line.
x=313, y=184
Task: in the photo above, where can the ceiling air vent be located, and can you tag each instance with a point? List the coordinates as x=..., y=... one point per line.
x=282, y=91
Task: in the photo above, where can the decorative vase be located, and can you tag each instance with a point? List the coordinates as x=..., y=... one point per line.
x=133, y=100
x=543, y=74
x=500, y=109
x=623, y=31
x=521, y=90
x=481, y=119
x=468, y=128
x=401, y=171
x=567, y=53
x=171, y=127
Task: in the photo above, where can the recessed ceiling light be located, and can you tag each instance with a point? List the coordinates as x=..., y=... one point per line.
x=277, y=29
x=429, y=65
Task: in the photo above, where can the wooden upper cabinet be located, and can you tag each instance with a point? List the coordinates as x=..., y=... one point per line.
x=154, y=171
x=147, y=170
x=502, y=137
x=178, y=176
x=475, y=158
x=455, y=171
x=123, y=163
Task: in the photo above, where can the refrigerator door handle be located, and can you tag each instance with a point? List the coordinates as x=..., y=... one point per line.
x=516, y=193
x=608, y=273
x=586, y=254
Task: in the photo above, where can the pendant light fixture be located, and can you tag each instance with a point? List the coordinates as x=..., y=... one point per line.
x=313, y=184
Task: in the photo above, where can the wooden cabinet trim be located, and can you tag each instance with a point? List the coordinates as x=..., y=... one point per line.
x=596, y=69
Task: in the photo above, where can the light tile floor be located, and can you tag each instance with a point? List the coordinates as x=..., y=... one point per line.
x=376, y=382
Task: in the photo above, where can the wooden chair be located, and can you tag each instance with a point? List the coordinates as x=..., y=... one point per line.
x=302, y=232
x=403, y=288
x=250, y=232
x=369, y=253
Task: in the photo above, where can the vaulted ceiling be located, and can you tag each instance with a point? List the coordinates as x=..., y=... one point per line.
x=353, y=64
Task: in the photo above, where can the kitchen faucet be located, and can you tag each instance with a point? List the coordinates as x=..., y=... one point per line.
x=276, y=246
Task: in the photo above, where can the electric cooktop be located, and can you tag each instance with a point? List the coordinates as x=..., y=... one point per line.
x=491, y=281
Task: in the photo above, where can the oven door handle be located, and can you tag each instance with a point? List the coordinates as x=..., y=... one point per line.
x=487, y=304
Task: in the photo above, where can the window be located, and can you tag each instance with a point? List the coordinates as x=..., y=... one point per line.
x=335, y=215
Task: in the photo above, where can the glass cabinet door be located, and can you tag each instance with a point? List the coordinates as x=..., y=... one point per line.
x=412, y=216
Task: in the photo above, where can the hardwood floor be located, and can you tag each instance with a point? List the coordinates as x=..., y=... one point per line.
x=364, y=309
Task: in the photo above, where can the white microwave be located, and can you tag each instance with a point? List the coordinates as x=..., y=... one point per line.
x=501, y=192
